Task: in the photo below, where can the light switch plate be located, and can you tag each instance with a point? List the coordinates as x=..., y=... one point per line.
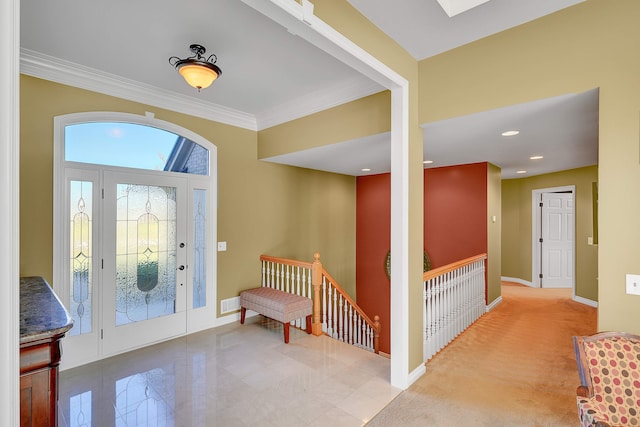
x=222, y=246
x=633, y=284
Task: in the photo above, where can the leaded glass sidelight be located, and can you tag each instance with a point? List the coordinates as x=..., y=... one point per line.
x=145, y=252
x=80, y=239
x=199, y=255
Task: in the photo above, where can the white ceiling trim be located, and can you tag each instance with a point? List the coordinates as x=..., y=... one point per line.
x=317, y=101
x=47, y=67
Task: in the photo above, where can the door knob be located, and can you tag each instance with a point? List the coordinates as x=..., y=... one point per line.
x=181, y=267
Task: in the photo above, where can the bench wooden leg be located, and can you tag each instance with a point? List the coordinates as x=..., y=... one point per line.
x=286, y=332
x=243, y=313
x=309, y=324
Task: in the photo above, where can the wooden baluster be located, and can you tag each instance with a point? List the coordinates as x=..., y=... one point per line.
x=425, y=325
x=459, y=303
x=272, y=283
x=282, y=281
x=340, y=319
x=334, y=311
x=304, y=285
x=317, y=278
x=325, y=298
x=264, y=272
x=376, y=334
x=351, y=325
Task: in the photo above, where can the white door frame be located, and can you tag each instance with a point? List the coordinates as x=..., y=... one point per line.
x=197, y=319
x=536, y=231
x=10, y=214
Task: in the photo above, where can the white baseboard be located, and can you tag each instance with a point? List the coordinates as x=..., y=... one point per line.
x=493, y=304
x=416, y=374
x=516, y=280
x=235, y=317
x=585, y=301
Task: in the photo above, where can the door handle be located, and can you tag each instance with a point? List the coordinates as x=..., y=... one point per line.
x=181, y=268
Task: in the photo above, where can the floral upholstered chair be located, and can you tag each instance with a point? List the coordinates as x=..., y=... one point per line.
x=609, y=370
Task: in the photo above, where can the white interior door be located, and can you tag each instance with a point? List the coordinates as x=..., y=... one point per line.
x=557, y=240
x=145, y=260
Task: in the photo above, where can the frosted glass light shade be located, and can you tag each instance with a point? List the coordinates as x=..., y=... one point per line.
x=198, y=75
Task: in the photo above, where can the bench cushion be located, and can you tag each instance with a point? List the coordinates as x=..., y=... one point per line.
x=275, y=304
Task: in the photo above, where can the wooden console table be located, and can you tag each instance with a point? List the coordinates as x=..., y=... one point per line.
x=43, y=323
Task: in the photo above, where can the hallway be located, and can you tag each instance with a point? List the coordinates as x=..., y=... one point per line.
x=513, y=367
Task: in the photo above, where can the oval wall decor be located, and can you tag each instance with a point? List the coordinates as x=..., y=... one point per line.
x=426, y=263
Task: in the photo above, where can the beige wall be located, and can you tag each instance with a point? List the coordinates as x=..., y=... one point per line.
x=262, y=207
x=517, y=212
x=592, y=44
x=367, y=116
x=494, y=231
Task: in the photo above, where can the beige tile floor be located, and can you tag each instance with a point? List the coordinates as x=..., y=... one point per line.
x=234, y=375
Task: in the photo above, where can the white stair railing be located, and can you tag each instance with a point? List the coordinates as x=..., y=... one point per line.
x=334, y=312
x=454, y=298
x=290, y=276
x=343, y=320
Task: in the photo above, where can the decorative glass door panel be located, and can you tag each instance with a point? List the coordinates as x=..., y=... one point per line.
x=145, y=266
x=81, y=258
x=199, y=269
x=146, y=252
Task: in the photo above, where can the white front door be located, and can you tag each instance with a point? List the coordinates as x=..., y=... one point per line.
x=557, y=240
x=145, y=259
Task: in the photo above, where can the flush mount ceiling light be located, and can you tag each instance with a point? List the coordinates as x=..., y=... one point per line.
x=536, y=157
x=427, y=162
x=197, y=70
x=510, y=133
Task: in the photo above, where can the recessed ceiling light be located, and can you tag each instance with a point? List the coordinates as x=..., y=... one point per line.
x=510, y=133
x=521, y=171
x=427, y=162
x=536, y=157
x=365, y=170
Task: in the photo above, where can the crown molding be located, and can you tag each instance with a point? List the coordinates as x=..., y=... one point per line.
x=46, y=67
x=317, y=101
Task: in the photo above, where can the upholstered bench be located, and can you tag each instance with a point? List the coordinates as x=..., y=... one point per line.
x=277, y=305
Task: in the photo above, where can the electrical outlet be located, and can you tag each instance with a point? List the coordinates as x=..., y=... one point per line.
x=222, y=246
x=633, y=284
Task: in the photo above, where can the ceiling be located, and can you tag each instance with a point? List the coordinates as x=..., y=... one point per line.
x=270, y=76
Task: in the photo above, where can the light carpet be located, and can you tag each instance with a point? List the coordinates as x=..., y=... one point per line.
x=513, y=367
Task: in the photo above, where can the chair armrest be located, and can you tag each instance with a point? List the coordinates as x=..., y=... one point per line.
x=582, y=391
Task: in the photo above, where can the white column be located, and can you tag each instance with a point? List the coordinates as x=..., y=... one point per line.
x=9, y=214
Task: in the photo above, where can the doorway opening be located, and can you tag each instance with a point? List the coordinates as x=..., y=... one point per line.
x=553, y=237
x=134, y=219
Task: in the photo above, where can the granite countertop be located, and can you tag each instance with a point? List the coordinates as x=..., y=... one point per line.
x=42, y=315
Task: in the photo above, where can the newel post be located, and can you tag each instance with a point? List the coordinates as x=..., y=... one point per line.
x=376, y=334
x=316, y=280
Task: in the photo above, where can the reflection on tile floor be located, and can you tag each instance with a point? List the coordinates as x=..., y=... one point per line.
x=234, y=375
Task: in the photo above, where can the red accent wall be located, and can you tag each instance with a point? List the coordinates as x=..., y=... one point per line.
x=373, y=240
x=455, y=212
x=455, y=227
